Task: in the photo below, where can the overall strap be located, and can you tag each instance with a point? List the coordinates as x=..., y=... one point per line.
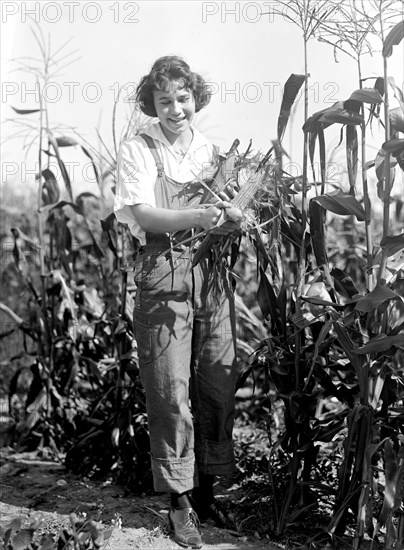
x=156, y=155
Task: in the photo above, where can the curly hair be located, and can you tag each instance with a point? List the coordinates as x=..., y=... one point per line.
x=164, y=72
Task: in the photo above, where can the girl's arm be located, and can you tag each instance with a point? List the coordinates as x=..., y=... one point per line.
x=162, y=220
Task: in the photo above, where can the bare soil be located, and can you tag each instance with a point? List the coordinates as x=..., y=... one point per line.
x=30, y=486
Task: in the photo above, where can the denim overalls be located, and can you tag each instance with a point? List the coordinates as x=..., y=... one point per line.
x=185, y=332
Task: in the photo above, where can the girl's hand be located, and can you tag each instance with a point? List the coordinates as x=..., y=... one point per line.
x=230, y=190
x=210, y=216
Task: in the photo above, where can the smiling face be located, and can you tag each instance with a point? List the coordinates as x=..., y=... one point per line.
x=175, y=109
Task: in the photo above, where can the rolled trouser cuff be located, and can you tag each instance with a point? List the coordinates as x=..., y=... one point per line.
x=215, y=458
x=174, y=475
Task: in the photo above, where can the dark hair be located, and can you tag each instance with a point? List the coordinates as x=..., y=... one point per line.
x=164, y=71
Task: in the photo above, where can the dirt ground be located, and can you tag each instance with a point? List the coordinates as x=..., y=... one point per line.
x=30, y=486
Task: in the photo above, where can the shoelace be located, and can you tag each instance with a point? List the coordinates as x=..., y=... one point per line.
x=192, y=521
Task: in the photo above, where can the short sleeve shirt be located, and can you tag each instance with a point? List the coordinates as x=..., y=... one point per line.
x=137, y=171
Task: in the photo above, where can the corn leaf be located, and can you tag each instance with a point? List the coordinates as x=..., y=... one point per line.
x=369, y=164
x=283, y=304
x=398, y=93
x=291, y=518
x=81, y=204
x=375, y=107
x=75, y=207
x=312, y=147
x=366, y=95
x=393, y=145
x=320, y=302
x=341, y=112
x=352, y=106
x=61, y=235
x=381, y=343
x=225, y=169
x=80, y=200
x=50, y=188
x=352, y=156
x=243, y=376
x=321, y=142
x=268, y=302
x=278, y=368
x=396, y=116
x=341, y=392
x=393, y=243
x=62, y=166
x=377, y=389
x=394, y=475
x=379, y=295
x=342, y=116
x=314, y=121
x=318, y=132
x=65, y=141
x=327, y=433
x=379, y=168
x=379, y=85
x=25, y=111
x=393, y=38
x=341, y=203
x=29, y=244
x=344, y=283
x=107, y=223
x=291, y=89
x=322, y=341
x=349, y=349
x=317, y=232
x=399, y=156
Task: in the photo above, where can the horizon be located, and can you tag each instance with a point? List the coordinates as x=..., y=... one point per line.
x=224, y=44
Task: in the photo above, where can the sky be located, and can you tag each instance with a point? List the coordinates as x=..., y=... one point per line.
x=243, y=49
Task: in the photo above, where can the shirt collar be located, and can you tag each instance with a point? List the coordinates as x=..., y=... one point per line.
x=155, y=132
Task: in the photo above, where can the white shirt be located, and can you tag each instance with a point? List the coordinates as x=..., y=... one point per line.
x=137, y=172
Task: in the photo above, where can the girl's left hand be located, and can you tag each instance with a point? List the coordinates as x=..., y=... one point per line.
x=230, y=190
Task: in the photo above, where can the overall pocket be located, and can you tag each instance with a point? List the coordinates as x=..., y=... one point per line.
x=150, y=269
x=143, y=335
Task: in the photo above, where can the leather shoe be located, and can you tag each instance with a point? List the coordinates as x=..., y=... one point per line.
x=184, y=524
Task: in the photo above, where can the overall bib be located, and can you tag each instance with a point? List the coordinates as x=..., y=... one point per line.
x=186, y=334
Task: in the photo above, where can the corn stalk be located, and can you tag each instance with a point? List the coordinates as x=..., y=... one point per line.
x=309, y=16
x=349, y=35
x=387, y=172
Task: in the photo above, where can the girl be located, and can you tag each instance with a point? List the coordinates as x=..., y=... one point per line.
x=184, y=324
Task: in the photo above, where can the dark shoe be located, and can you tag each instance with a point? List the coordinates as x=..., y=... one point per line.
x=217, y=513
x=185, y=527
